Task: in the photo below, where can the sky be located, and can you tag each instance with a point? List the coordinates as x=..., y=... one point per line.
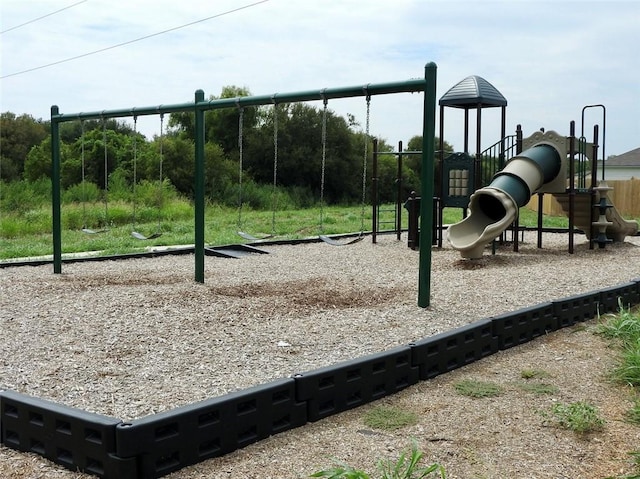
x=549, y=59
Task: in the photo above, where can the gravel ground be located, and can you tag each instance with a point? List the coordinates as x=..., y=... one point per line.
x=137, y=337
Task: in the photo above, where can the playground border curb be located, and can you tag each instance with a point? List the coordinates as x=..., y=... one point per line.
x=159, y=444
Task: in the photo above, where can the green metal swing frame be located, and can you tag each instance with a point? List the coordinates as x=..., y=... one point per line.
x=199, y=106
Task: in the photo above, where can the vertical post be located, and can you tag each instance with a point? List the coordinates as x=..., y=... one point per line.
x=55, y=192
x=572, y=184
x=466, y=130
x=427, y=180
x=594, y=154
x=199, y=189
x=439, y=180
x=399, y=195
x=479, y=167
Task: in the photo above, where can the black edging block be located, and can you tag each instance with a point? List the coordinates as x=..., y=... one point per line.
x=616, y=297
x=447, y=351
x=349, y=384
x=73, y=438
x=575, y=309
x=171, y=440
x=523, y=325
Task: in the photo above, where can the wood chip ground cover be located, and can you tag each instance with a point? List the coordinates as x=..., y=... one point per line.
x=137, y=337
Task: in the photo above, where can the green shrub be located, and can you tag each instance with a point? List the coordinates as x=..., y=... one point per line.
x=82, y=193
x=20, y=196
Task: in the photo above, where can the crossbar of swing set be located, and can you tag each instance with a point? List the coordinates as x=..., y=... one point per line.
x=200, y=105
x=408, y=86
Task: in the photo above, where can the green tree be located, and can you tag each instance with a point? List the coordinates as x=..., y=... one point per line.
x=177, y=162
x=415, y=162
x=299, y=138
x=221, y=125
x=18, y=135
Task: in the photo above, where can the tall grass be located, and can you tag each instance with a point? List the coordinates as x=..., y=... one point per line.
x=26, y=225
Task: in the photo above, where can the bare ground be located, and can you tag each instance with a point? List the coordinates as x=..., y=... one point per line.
x=507, y=436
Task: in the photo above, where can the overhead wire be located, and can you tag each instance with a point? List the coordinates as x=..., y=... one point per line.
x=43, y=16
x=128, y=42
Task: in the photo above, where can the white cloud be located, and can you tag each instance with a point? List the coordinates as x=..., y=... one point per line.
x=548, y=59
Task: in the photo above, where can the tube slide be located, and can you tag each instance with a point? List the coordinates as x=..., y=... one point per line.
x=493, y=208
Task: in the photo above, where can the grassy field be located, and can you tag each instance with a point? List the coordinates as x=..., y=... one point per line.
x=29, y=233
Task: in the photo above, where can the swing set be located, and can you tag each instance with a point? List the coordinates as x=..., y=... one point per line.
x=241, y=232
x=85, y=223
x=158, y=231
x=327, y=239
x=199, y=106
x=360, y=237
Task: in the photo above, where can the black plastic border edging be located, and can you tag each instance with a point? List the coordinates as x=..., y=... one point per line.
x=168, y=252
x=156, y=445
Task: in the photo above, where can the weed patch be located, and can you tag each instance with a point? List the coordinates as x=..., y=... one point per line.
x=389, y=419
x=580, y=417
x=477, y=389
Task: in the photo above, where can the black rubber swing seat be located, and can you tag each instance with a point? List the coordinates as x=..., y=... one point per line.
x=89, y=231
x=140, y=236
x=335, y=242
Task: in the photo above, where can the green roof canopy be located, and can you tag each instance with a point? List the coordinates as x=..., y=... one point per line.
x=473, y=92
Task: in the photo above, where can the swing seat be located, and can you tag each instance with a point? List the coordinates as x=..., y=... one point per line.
x=250, y=237
x=335, y=242
x=140, y=236
x=89, y=231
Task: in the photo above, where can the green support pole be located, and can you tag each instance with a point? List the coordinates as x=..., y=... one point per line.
x=427, y=180
x=199, y=189
x=55, y=192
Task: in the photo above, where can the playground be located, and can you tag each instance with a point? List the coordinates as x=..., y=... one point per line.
x=134, y=338
x=175, y=359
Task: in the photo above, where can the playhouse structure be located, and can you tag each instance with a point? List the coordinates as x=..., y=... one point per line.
x=494, y=183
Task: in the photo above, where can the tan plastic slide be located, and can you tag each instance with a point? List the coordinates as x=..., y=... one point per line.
x=472, y=234
x=493, y=208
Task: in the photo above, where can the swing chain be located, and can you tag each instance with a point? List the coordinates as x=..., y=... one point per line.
x=106, y=173
x=364, y=163
x=240, y=161
x=84, y=190
x=161, y=177
x=275, y=167
x=324, y=157
x=135, y=168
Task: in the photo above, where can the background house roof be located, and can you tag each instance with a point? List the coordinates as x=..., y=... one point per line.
x=629, y=159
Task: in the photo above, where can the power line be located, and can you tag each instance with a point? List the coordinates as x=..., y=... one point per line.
x=134, y=40
x=40, y=18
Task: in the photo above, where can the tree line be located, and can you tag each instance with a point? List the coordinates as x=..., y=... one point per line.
x=103, y=153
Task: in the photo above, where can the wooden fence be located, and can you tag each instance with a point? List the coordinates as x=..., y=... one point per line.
x=625, y=196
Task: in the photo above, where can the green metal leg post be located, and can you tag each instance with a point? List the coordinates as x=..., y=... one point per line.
x=199, y=189
x=427, y=180
x=55, y=192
